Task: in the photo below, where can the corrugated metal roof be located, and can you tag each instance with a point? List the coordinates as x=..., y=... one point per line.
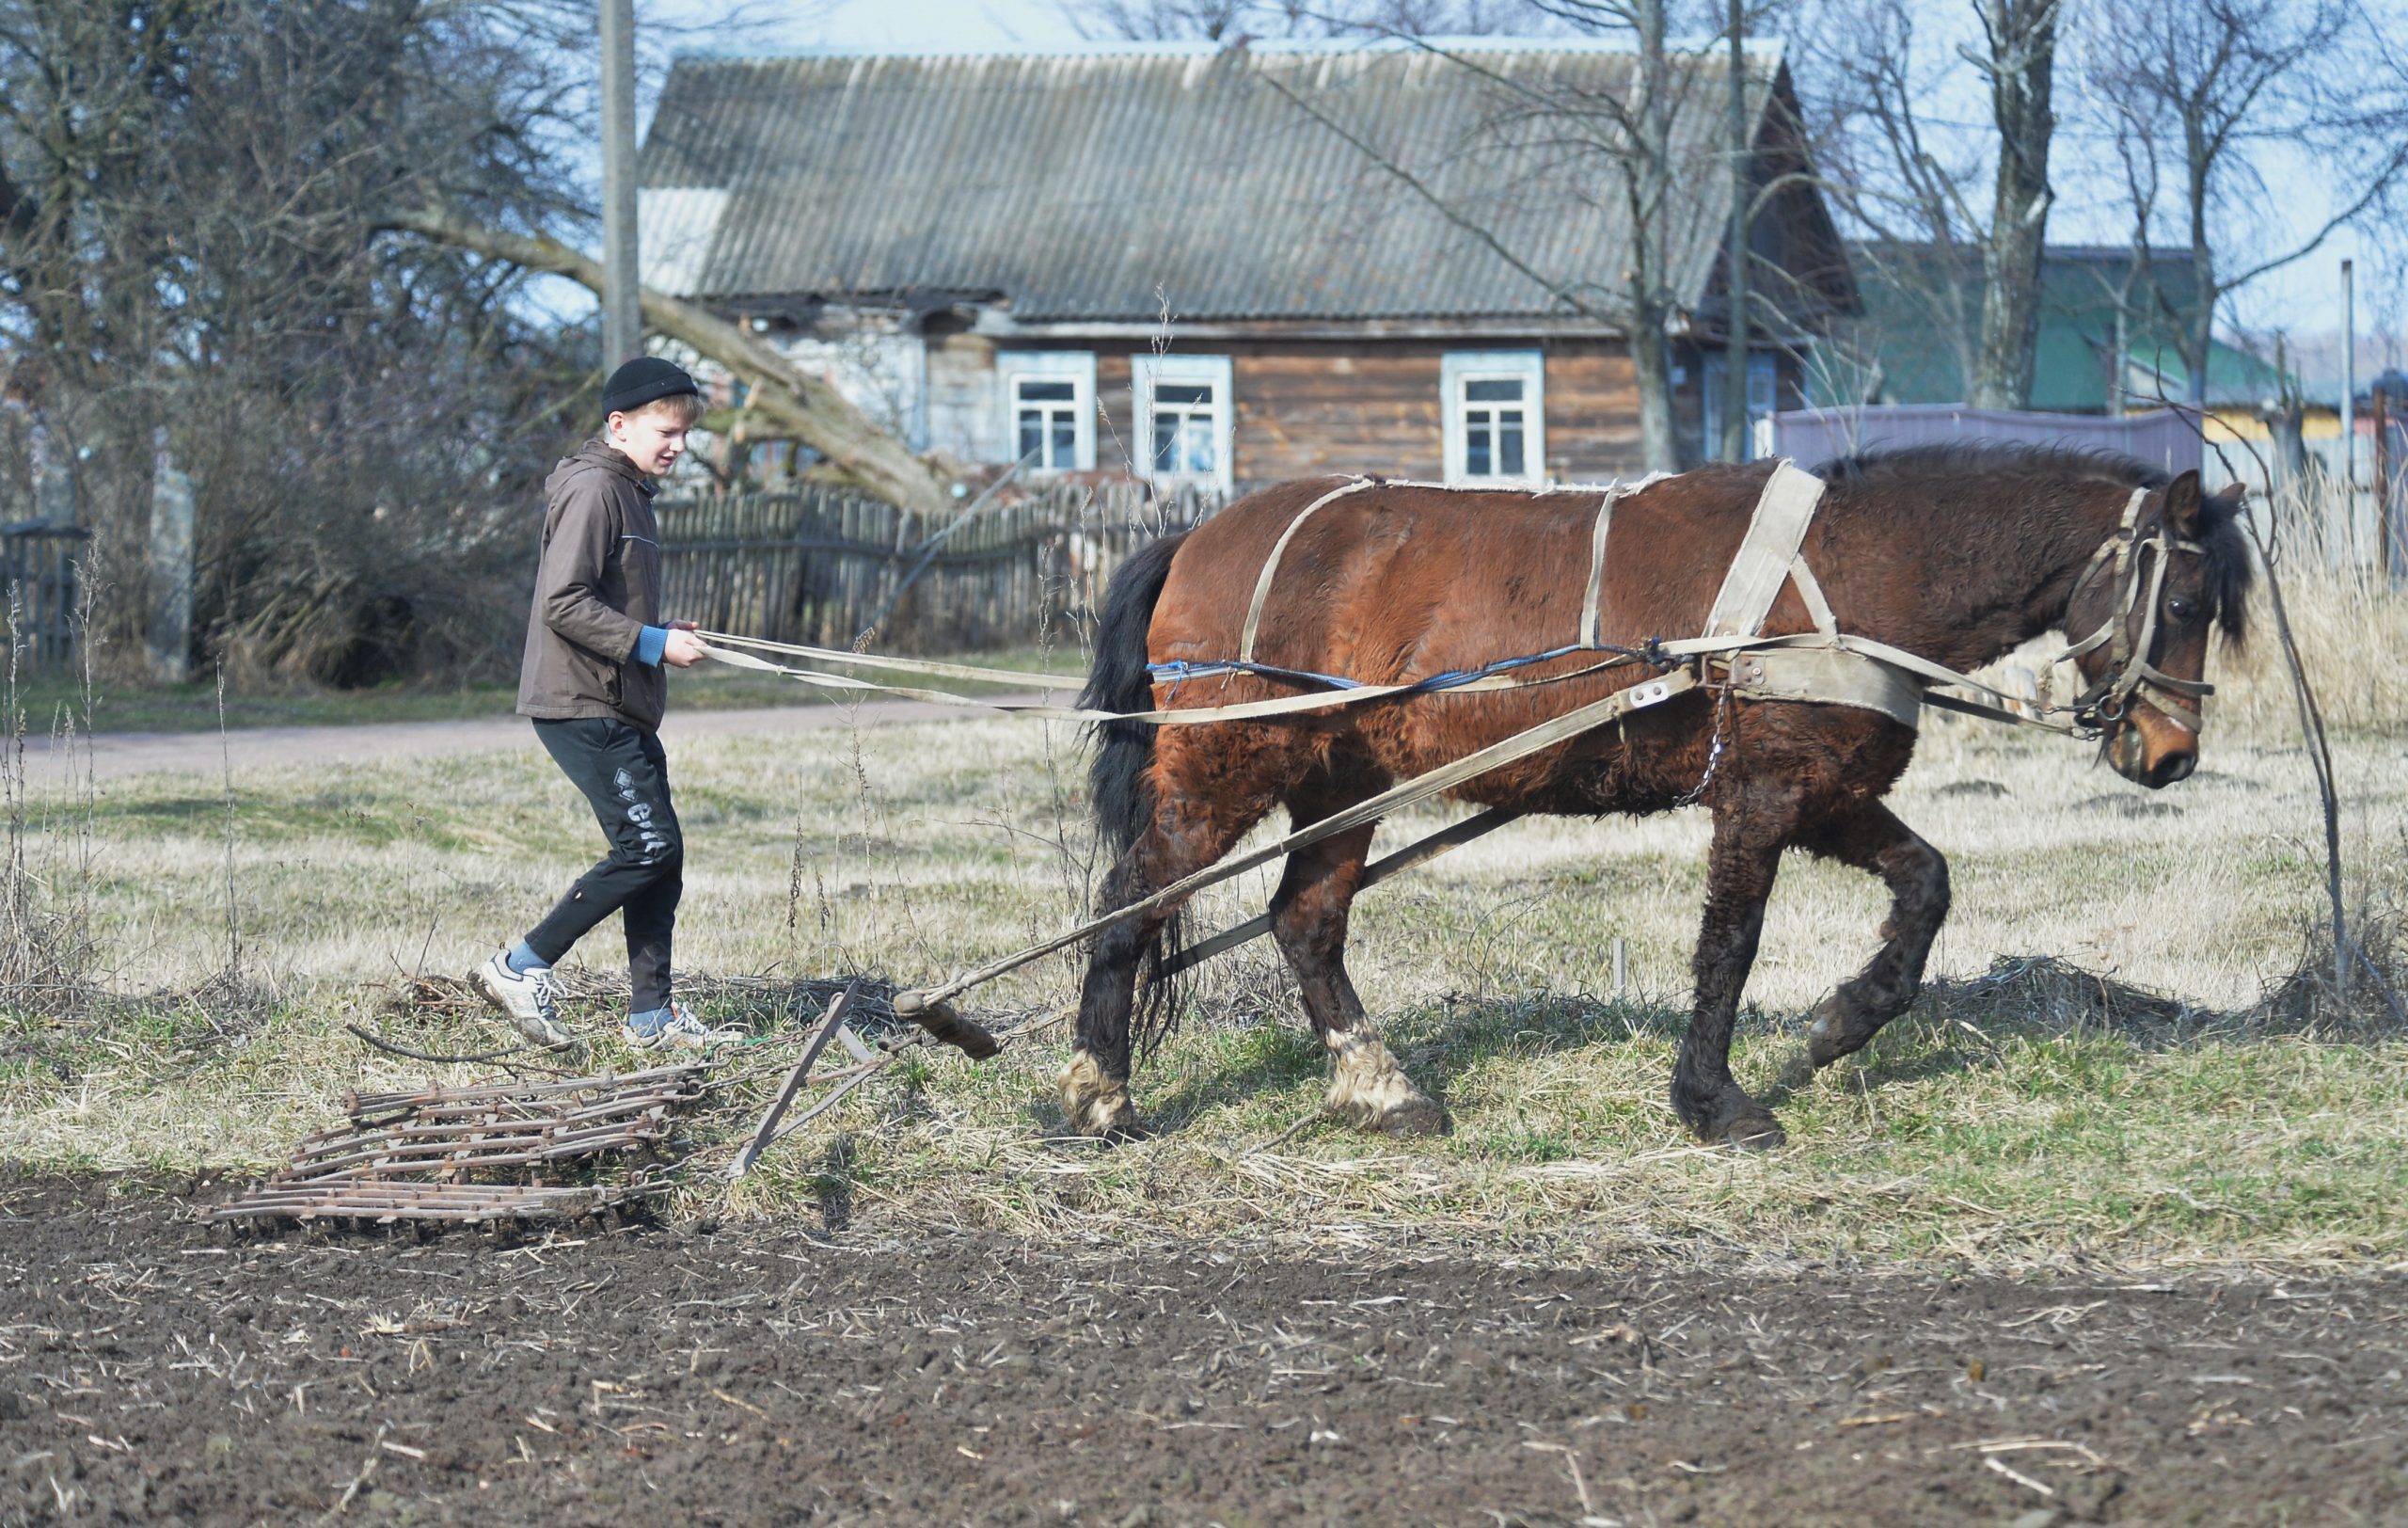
x=1101, y=184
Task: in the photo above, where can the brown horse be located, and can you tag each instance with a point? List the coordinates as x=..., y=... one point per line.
x=1957, y=554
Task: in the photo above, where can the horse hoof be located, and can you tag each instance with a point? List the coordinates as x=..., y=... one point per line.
x=1413, y=1117
x=1829, y=1035
x=1103, y=1120
x=1369, y=1091
x=1094, y=1103
x=1735, y=1119
x=1757, y=1132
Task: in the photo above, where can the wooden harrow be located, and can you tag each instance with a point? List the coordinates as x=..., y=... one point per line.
x=482, y=1152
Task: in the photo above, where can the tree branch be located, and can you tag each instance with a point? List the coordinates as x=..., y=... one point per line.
x=795, y=399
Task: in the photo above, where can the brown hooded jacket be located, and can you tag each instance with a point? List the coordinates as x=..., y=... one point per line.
x=596, y=588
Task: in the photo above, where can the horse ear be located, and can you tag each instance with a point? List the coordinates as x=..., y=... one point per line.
x=2183, y=504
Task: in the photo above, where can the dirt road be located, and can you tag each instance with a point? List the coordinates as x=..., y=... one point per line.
x=151, y=1372
x=114, y=756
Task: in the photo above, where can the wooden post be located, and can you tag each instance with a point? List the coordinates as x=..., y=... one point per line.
x=170, y=628
x=829, y=1024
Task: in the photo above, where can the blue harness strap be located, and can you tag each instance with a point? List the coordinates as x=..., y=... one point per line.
x=1178, y=672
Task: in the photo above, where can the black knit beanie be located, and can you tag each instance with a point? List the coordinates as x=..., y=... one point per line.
x=643, y=380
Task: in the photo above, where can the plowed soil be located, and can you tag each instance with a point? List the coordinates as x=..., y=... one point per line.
x=153, y=1371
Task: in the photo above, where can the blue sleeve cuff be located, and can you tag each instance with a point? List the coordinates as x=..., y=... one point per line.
x=650, y=643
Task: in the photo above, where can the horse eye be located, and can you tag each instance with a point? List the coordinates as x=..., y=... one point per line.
x=2178, y=609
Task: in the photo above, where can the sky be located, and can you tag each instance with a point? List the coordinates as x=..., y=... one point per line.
x=2304, y=297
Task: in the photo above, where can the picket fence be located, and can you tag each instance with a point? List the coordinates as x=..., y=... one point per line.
x=39, y=567
x=829, y=568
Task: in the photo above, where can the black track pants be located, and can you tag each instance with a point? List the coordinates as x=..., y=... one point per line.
x=625, y=774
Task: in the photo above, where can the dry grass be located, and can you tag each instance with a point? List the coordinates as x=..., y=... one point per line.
x=2097, y=1074
x=2352, y=634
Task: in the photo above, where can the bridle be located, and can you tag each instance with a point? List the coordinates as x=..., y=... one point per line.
x=2130, y=670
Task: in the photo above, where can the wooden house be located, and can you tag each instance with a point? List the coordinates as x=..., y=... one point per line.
x=1229, y=266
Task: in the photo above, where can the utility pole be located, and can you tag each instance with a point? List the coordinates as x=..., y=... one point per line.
x=2350, y=412
x=1733, y=447
x=622, y=312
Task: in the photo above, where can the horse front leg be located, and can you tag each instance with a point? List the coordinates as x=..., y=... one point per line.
x=1873, y=839
x=1752, y=822
x=1308, y=918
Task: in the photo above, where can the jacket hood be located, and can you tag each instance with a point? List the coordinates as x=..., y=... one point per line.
x=598, y=452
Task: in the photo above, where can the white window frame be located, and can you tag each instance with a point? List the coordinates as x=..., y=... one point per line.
x=1147, y=370
x=1077, y=367
x=1459, y=368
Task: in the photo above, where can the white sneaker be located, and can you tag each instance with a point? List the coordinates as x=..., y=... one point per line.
x=681, y=1029
x=525, y=998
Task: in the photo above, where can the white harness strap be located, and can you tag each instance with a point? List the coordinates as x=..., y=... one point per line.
x=1591, y=635
x=1768, y=555
x=1811, y=591
x=1271, y=565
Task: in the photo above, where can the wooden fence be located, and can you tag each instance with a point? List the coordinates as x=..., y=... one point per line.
x=38, y=576
x=824, y=567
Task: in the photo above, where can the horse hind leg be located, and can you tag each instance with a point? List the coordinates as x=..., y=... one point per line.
x=1187, y=832
x=1308, y=919
x=1873, y=839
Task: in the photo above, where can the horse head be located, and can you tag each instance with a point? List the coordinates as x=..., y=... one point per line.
x=2174, y=568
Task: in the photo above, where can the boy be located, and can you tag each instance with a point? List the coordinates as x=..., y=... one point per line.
x=594, y=681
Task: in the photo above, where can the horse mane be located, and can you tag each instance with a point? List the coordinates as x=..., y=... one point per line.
x=2228, y=568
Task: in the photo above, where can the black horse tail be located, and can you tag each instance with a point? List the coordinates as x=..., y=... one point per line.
x=1118, y=791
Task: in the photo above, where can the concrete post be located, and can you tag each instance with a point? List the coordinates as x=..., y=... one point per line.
x=170, y=628
x=621, y=308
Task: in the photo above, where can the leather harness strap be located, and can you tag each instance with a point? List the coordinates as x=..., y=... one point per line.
x=1767, y=555
x=1591, y=631
x=1271, y=563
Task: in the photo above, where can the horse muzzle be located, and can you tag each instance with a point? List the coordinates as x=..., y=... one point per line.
x=2150, y=750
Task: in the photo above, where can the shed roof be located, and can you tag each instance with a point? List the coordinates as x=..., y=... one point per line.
x=1105, y=182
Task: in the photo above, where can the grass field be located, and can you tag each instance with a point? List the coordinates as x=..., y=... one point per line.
x=2098, y=1075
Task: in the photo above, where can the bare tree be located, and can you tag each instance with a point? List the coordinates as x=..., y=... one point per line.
x=1626, y=134
x=1163, y=20
x=1634, y=134
x=1906, y=185
x=788, y=398
x=198, y=200
x=1906, y=176
x=2018, y=62
x=1236, y=20
x=186, y=264
x=2196, y=94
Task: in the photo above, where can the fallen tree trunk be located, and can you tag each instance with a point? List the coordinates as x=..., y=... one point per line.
x=781, y=393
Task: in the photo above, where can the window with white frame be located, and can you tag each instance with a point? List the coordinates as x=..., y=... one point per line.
x=1049, y=408
x=1184, y=416
x=1495, y=416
